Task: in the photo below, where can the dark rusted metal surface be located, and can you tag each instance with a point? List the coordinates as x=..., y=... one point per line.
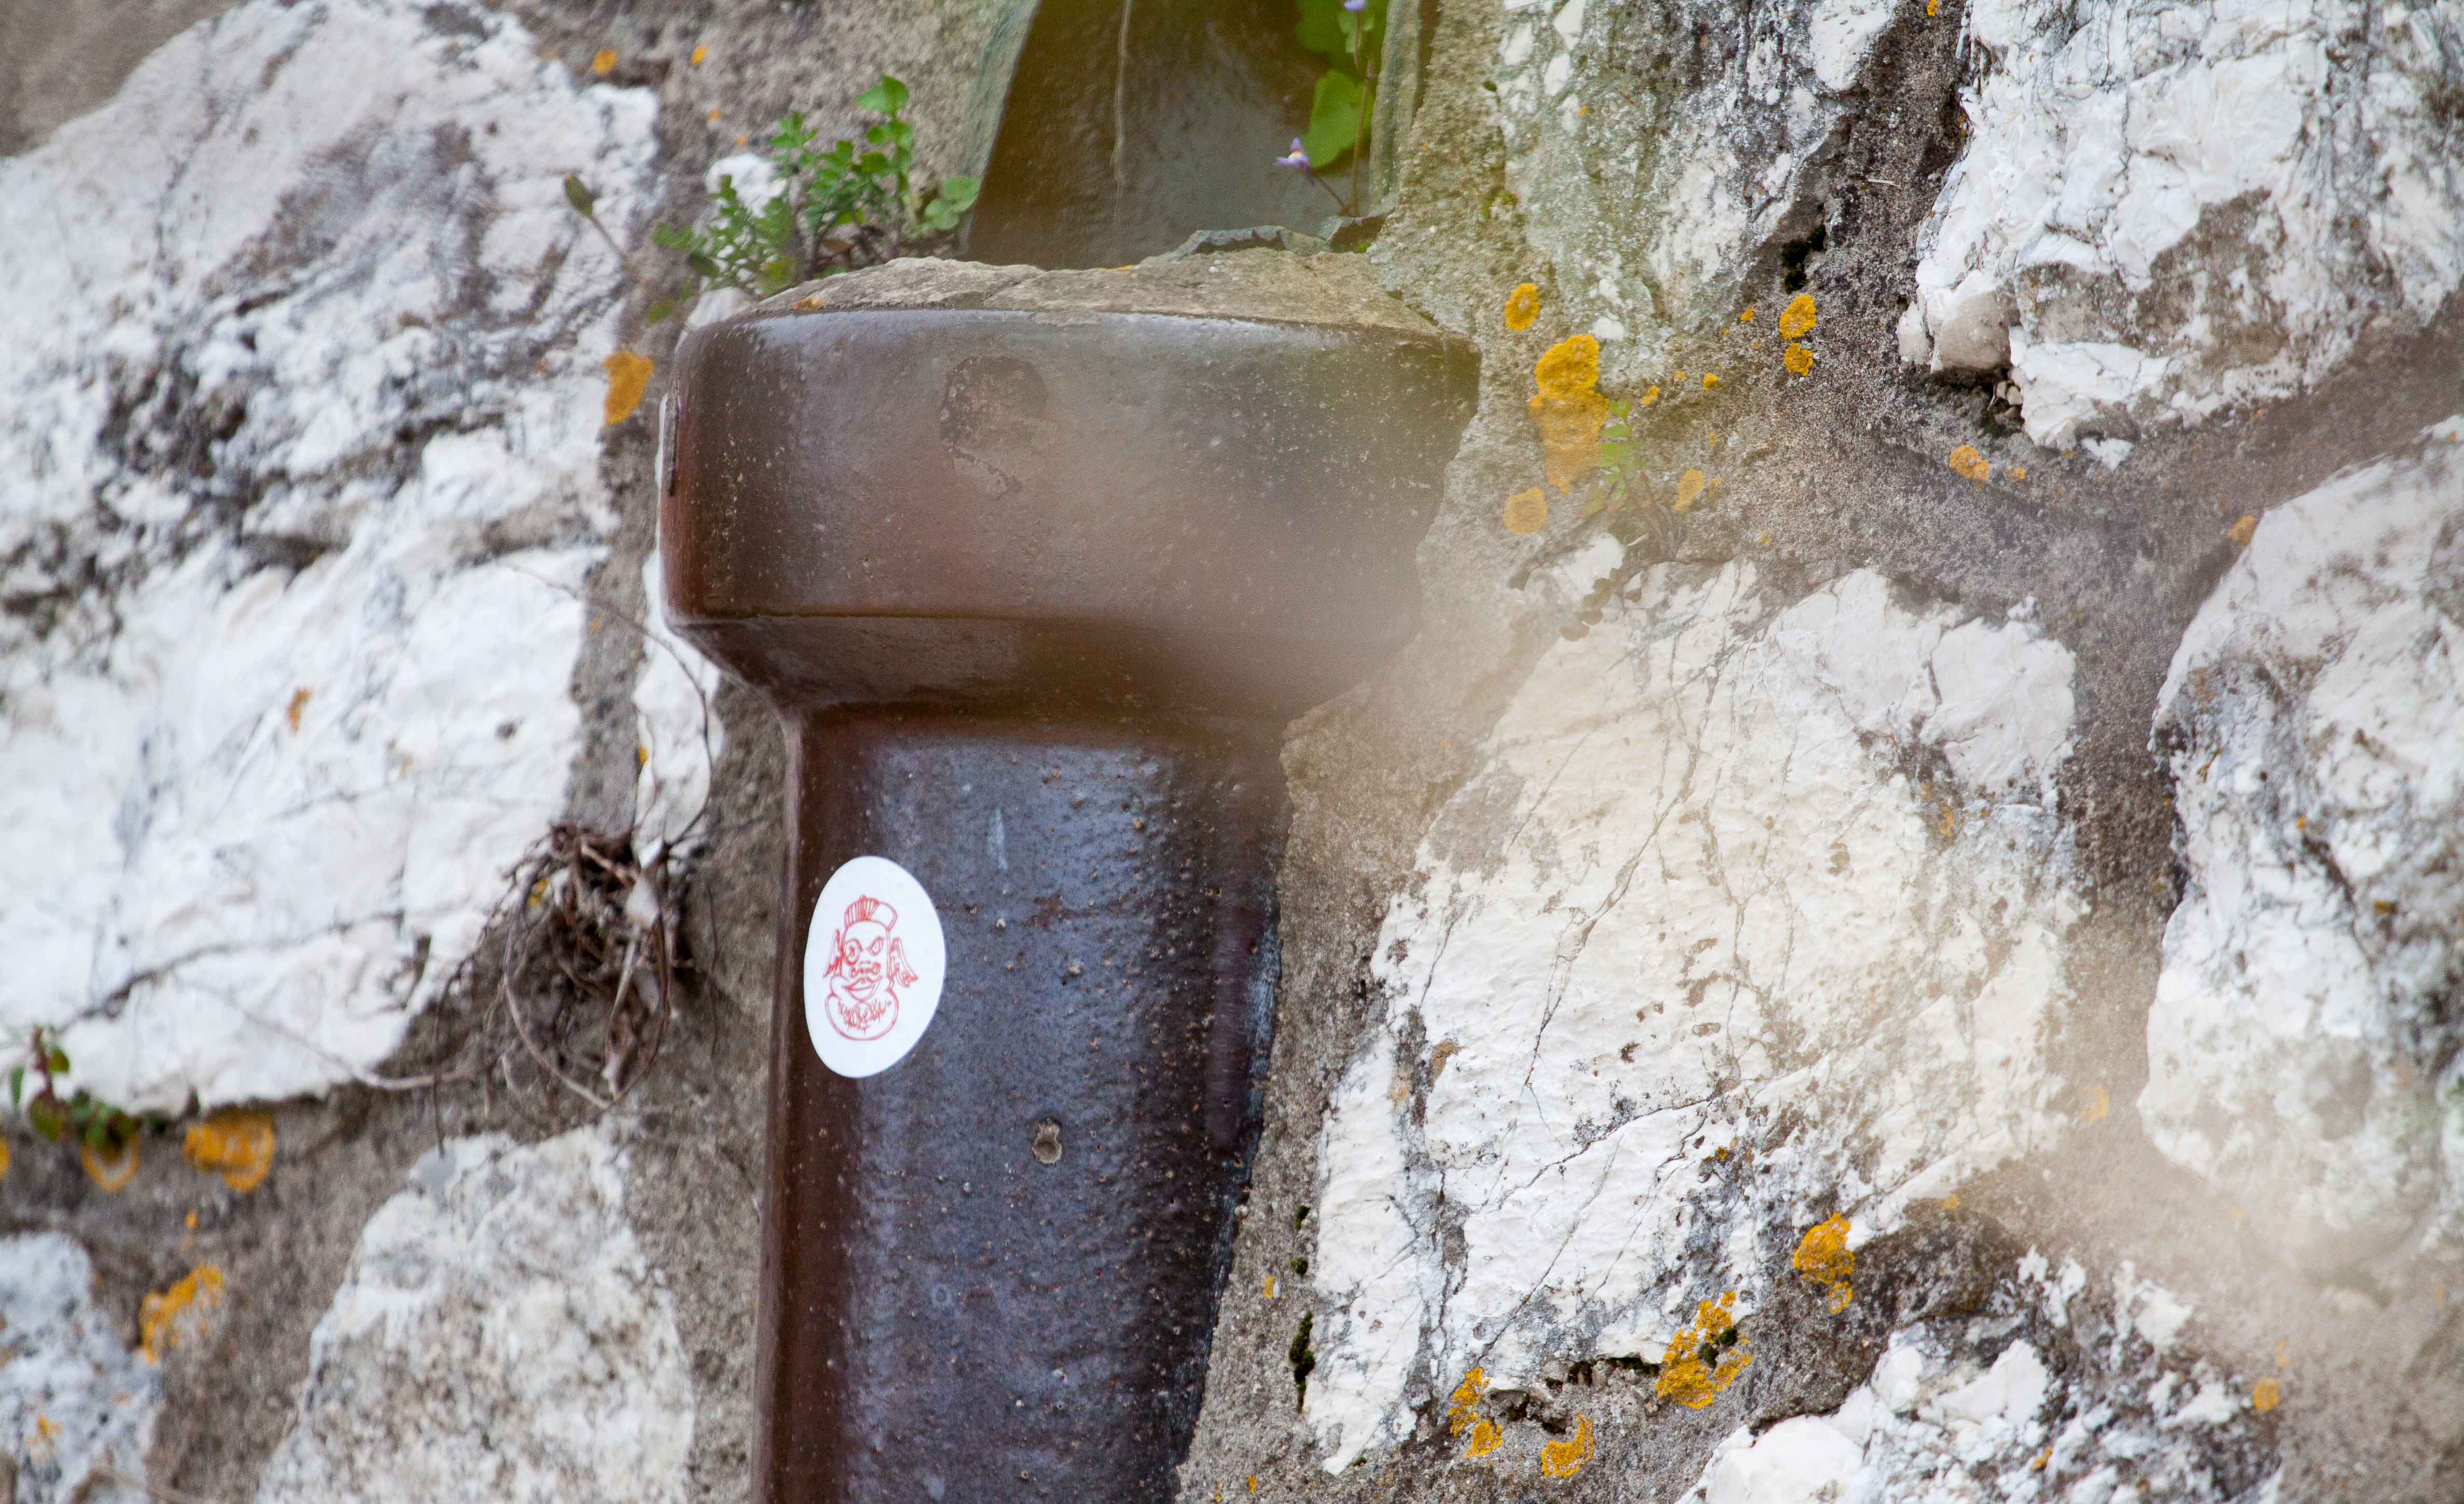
x=1033, y=594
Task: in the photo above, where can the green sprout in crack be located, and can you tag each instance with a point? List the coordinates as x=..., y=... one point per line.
x=832, y=208
x=63, y=1117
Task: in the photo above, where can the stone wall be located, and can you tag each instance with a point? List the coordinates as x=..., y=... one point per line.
x=1957, y=886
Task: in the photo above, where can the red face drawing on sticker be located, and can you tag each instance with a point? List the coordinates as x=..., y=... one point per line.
x=868, y=966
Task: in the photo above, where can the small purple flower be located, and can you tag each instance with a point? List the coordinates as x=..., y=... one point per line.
x=1355, y=7
x=1297, y=159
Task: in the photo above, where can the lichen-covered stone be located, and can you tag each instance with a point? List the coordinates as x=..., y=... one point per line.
x=498, y=1337
x=303, y=381
x=77, y=1405
x=2303, y=1050
x=1753, y=912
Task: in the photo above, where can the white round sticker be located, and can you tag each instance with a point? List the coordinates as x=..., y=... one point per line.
x=874, y=961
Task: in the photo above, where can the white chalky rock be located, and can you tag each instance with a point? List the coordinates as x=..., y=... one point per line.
x=302, y=376
x=1737, y=105
x=498, y=1339
x=2187, y=205
x=1702, y=886
x=75, y=1407
x=2301, y=1050
x=1940, y=1421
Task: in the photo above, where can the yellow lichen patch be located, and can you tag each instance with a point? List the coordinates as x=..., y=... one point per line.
x=237, y=1146
x=1565, y=1458
x=2018, y=472
x=1709, y=381
x=1824, y=1256
x=1527, y=512
x=1689, y=490
x=1797, y=359
x=1705, y=1358
x=1650, y=396
x=1462, y=1404
x=713, y=117
x=299, y=702
x=3, y=1159
x=1951, y=1203
x=1570, y=434
x=1798, y=320
x=1933, y=7
x=1521, y=306
x=1568, y=366
x=628, y=376
x=2099, y=1104
x=112, y=1167
x=2267, y=1396
x=2243, y=531
x=168, y=1318
x=701, y=55
x=1270, y=1286
x=1486, y=1438
x=1965, y=461
x=604, y=62
x=1748, y=317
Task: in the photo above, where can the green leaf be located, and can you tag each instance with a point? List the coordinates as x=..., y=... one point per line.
x=43, y=1116
x=660, y=311
x=17, y=1087
x=1321, y=28
x=584, y=202
x=959, y=193
x=59, y=1061
x=886, y=98
x=703, y=265
x=1334, y=119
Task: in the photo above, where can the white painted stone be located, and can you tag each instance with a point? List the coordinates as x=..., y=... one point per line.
x=498, y=1338
x=2299, y=1054
x=75, y=1407
x=1691, y=890
x=304, y=377
x=2193, y=205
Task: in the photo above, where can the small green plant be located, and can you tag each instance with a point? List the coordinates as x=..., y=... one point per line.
x=1619, y=468
x=80, y=1115
x=832, y=208
x=1349, y=34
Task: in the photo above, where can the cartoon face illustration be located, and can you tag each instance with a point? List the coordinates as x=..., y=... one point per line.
x=868, y=966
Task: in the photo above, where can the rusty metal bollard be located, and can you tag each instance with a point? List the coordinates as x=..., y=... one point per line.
x=1034, y=567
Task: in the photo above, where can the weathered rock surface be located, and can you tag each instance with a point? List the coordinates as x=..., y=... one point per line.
x=2304, y=1047
x=76, y=1407
x=2167, y=210
x=305, y=402
x=499, y=1337
x=1770, y=929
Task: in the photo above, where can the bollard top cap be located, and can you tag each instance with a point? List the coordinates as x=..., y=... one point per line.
x=1331, y=290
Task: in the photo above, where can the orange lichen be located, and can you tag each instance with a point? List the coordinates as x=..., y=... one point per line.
x=168, y=1318
x=1462, y=1404
x=2266, y=1396
x=112, y=1167
x=628, y=376
x=238, y=1146
x=1797, y=359
x=1705, y=1358
x=1748, y=317
x=1965, y=461
x=3, y=1159
x=1689, y=490
x=1709, y=381
x=1527, y=512
x=2099, y=1102
x=713, y=117
x=604, y=62
x=1568, y=366
x=1486, y=1438
x=1798, y=320
x=1933, y=7
x=1566, y=1458
x=1951, y=1203
x=299, y=702
x=699, y=55
x=1824, y=1258
x=1270, y=1286
x=1521, y=306
x=2018, y=472
x=1570, y=434
x=2243, y=531
x=1650, y=396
